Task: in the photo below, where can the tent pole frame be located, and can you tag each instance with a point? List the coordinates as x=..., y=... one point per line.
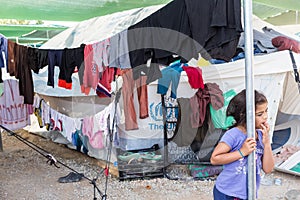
x=250, y=95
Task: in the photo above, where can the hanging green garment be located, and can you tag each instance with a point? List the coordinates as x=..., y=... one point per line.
x=218, y=117
x=1, y=88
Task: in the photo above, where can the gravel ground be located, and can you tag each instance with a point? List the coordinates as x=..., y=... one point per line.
x=26, y=175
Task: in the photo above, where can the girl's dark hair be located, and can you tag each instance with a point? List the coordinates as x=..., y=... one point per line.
x=237, y=106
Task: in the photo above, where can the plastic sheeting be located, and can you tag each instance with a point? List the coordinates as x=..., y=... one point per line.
x=98, y=28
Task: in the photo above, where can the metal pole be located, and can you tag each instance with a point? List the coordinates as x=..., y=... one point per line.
x=250, y=94
x=1, y=145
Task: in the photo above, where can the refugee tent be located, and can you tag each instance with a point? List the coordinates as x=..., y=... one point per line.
x=82, y=33
x=273, y=76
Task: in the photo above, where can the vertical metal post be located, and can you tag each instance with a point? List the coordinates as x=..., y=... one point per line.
x=1, y=145
x=250, y=94
x=165, y=152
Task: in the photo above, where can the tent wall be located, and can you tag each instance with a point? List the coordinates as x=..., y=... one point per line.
x=270, y=72
x=272, y=76
x=290, y=98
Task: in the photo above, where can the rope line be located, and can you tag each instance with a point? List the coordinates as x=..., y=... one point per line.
x=51, y=159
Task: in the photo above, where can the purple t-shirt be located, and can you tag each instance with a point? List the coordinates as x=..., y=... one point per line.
x=233, y=180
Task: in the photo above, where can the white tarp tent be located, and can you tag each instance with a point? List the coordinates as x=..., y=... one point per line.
x=99, y=28
x=87, y=32
x=73, y=102
x=272, y=72
x=273, y=75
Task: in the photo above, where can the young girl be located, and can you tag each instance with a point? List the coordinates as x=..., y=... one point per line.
x=234, y=147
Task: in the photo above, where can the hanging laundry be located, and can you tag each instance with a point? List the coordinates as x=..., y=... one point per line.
x=32, y=57
x=218, y=117
x=199, y=103
x=90, y=75
x=19, y=66
x=1, y=80
x=3, y=51
x=104, y=88
x=91, y=129
x=71, y=58
x=14, y=114
x=1, y=87
x=170, y=77
x=78, y=139
x=56, y=120
x=220, y=27
x=119, y=52
x=68, y=127
x=102, y=119
x=101, y=54
x=54, y=59
x=12, y=58
x=42, y=58
x=184, y=132
x=194, y=76
x=38, y=111
x=128, y=88
x=157, y=37
x=25, y=75
x=41, y=111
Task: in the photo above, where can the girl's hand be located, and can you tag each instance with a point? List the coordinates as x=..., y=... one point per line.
x=265, y=128
x=249, y=146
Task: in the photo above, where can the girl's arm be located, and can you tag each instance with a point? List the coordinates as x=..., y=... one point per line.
x=222, y=155
x=267, y=159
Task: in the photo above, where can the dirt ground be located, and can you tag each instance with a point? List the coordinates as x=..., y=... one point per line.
x=25, y=174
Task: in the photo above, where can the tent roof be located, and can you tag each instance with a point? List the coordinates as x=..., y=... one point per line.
x=79, y=10
x=273, y=11
x=59, y=10
x=99, y=28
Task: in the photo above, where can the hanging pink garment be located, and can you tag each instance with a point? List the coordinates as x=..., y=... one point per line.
x=14, y=114
x=95, y=138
